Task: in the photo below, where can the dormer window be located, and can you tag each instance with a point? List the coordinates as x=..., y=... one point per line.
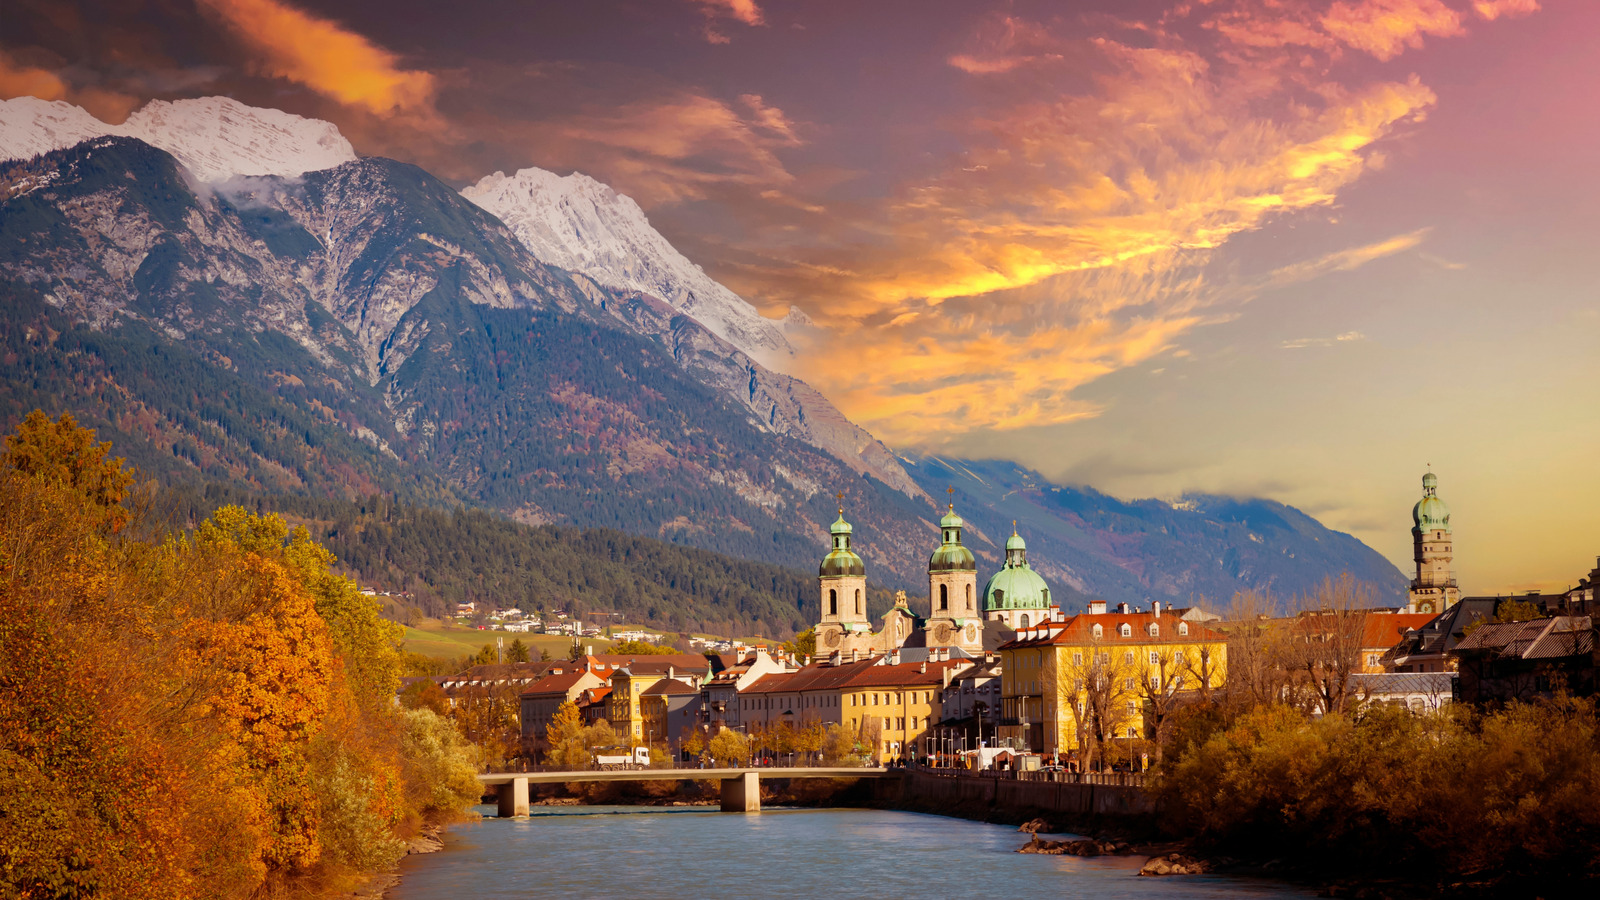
x=1155, y=630
x=1183, y=627
x=1126, y=630
x=1098, y=632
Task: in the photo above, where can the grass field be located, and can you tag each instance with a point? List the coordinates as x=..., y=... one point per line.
x=451, y=641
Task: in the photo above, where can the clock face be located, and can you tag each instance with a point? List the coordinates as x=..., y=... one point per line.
x=972, y=633
x=832, y=639
x=942, y=633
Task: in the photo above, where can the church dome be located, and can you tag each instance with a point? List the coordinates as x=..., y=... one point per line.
x=1430, y=513
x=841, y=560
x=951, y=556
x=1016, y=587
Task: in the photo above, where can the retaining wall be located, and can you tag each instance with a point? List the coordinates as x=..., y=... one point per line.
x=924, y=791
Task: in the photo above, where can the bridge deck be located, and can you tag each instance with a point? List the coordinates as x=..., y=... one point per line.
x=681, y=774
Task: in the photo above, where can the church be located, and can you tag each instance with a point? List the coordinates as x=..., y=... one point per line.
x=959, y=617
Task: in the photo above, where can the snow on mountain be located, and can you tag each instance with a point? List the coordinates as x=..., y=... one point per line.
x=581, y=225
x=214, y=137
x=30, y=126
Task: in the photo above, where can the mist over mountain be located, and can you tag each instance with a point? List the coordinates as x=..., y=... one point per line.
x=229, y=309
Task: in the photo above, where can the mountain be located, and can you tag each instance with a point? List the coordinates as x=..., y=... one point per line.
x=365, y=329
x=1199, y=548
x=581, y=225
x=214, y=137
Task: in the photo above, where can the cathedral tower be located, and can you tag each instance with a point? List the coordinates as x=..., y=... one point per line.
x=954, y=619
x=842, y=578
x=1434, y=589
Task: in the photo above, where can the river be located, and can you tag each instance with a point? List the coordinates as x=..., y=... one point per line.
x=646, y=852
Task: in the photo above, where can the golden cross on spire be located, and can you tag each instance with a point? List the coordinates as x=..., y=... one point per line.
x=840, y=497
x=1013, y=527
x=951, y=490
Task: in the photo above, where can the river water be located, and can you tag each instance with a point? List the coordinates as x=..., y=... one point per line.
x=634, y=852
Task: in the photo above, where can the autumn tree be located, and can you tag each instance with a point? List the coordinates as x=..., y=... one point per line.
x=61, y=453
x=729, y=748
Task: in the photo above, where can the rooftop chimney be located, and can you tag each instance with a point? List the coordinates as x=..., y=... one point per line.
x=1156, y=608
x=1122, y=608
x=1097, y=607
x=894, y=657
x=923, y=669
x=836, y=658
x=672, y=673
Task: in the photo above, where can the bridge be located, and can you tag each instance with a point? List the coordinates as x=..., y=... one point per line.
x=741, y=788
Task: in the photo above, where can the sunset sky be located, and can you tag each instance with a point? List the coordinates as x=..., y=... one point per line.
x=1275, y=248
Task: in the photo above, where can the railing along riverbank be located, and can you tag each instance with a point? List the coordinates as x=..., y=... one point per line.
x=1066, y=793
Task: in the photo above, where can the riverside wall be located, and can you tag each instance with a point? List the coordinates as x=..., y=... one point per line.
x=986, y=797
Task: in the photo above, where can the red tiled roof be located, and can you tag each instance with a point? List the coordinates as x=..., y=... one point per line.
x=669, y=686
x=555, y=684
x=1080, y=630
x=653, y=664
x=1380, y=631
x=906, y=674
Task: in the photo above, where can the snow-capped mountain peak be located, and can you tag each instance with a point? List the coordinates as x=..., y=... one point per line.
x=581, y=225
x=214, y=137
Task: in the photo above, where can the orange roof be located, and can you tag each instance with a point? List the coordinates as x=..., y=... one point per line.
x=1380, y=631
x=555, y=684
x=815, y=677
x=1080, y=630
x=906, y=674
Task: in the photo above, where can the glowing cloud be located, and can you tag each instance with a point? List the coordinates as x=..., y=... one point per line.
x=745, y=11
x=19, y=80
x=325, y=57
x=1494, y=9
x=1385, y=28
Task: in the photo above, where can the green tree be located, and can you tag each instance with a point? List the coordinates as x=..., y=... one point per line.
x=641, y=648
x=517, y=652
x=804, y=643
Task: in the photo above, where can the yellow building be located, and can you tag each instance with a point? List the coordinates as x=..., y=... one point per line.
x=1102, y=673
x=627, y=702
x=891, y=706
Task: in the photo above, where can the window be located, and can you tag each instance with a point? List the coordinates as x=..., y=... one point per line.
x=1372, y=659
x=902, y=723
x=1155, y=658
x=1126, y=630
x=1177, y=658
x=1077, y=659
x=1130, y=684
x=1098, y=631
x=944, y=597
x=1133, y=709
x=833, y=603
x=1133, y=732
x=969, y=598
x=1024, y=620
x=874, y=699
x=1155, y=630
x=858, y=602
x=1183, y=627
x=887, y=723
x=1127, y=658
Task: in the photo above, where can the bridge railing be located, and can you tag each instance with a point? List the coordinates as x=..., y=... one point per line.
x=1116, y=779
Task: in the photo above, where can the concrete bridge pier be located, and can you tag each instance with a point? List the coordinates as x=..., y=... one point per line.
x=741, y=794
x=514, y=798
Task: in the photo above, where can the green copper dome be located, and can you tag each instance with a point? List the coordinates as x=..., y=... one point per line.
x=1017, y=585
x=841, y=560
x=951, y=556
x=1430, y=513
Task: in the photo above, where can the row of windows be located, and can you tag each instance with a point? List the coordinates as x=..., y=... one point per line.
x=884, y=699
x=1127, y=658
x=1126, y=630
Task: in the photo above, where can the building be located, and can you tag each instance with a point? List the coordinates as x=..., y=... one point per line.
x=541, y=699
x=890, y=705
x=1502, y=662
x=1434, y=589
x=971, y=691
x=953, y=616
x=1101, y=673
x=1418, y=692
x=1016, y=596
x=799, y=698
x=671, y=709
x=721, y=692
x=1381, y=632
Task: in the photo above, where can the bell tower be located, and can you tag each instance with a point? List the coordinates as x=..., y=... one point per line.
x=842, y=582
x=1434, y=589
x=955, y=617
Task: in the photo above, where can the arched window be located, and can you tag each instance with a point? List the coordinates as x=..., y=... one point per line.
x=858, y=602
x=1155, y=630
x=1126, y=630
x=833, y=602
x=1098, y=632
x=944, y=597
x=1024, y=620
x=969, y=598
x=1183, y=627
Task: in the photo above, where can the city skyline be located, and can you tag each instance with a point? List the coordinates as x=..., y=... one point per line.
x=1293, y=250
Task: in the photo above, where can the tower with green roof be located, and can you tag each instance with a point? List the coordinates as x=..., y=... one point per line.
x=842, y=580
x=953, y=619
x=1016, y=595
x=1434, y=589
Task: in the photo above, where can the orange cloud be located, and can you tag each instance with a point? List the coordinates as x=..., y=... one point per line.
x=1385, y=28
x=325, y=57
x=745, y=11
x=18, y=80
x=1494, y=9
